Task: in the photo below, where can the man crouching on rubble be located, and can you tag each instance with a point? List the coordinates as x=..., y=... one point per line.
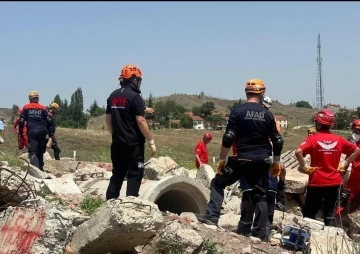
x=325, y=169
x=251, y=125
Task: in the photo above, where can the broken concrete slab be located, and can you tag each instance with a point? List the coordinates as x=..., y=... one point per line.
x=156, y=168
x=47, y=156
x=41, y=230
x=176, y=236
x=204, y=175
x=295, y=182
x=118, y=226
x=284, y=219
x=37, y=173
x=229, y=221
x=178, y=172
x=233, y=205
x=15, y=186
x=190, y=217
x=91, y=171
x=62, y=185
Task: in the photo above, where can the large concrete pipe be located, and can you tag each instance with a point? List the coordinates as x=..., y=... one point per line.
x=175, y=194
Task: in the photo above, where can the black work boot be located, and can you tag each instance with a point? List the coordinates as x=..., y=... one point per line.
x=204, y=219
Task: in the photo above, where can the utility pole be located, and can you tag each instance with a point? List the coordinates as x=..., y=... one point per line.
x=320, y=101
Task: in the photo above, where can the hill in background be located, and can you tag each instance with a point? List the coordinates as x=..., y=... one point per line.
x=296, y=116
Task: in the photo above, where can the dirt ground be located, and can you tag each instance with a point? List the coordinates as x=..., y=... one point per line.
x=226, y=242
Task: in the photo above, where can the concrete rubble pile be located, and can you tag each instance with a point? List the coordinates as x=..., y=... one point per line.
x=51, y=221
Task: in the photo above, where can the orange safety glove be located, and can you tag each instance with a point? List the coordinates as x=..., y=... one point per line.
x=308, y=169
x=220, y=166
x=342, y=167
x=275, y=168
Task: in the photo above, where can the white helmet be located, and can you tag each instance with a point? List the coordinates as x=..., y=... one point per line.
x=267, y=102
x=1, y=140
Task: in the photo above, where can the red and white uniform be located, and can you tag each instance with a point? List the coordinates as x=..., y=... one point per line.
x=353, y=183
x=325, y=150
x=202, y=152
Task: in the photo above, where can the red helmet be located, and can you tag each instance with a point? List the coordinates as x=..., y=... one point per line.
x=356, y=124
x=208, y=136
x=20, y=110
x=325, y=117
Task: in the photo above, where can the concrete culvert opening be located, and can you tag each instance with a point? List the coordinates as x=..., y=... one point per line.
x=177, y=201
x=178, y=194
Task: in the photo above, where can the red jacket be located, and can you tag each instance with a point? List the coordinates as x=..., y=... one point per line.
x=15, y=127
x=202, y=152
x=355, y=168
x=325, y=149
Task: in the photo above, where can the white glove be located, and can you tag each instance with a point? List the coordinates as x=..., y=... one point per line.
x=152, y=147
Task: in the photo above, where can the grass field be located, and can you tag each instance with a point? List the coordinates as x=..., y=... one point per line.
x=94, y=145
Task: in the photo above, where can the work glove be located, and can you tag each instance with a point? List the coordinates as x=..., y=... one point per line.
x=342, y=167
x=49, y=143
x=220, y=166
x=152, y=147
x=275, y=168
x=308, y=169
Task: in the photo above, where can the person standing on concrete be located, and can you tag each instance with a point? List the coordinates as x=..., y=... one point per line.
x=53, y=110
x=39, y=126
x=129, y=130
x=325, y=169
x=201, y=152
x=251, y=125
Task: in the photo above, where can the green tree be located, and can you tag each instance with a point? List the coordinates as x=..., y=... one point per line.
x=303, y=104
x=196, y=111
x=343, y=119
x=186, y=121
x=94, y=109
x=14, y=112
x=150, y=101
x=207, y=108
x=168, y=109
x=214, y=119
x=358, y=112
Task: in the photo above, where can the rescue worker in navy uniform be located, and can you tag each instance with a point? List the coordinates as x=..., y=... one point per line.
x=39, y=126
x=53, y=109
x=129, y=130
x=252, y=125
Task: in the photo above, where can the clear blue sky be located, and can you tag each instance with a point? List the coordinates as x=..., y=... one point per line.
x=181, y=47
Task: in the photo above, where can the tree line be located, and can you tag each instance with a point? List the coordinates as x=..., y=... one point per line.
x=72, y=115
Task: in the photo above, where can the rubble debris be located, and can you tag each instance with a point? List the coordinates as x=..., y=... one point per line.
x=118, y=226
x=40, y=230
x=295, y=182
x=90, y=171
x=14, y=187
x=156, y=168
x=37, y=173
x=62, y=185
x=204, y=175
x=179, y=238
x=178, y=172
